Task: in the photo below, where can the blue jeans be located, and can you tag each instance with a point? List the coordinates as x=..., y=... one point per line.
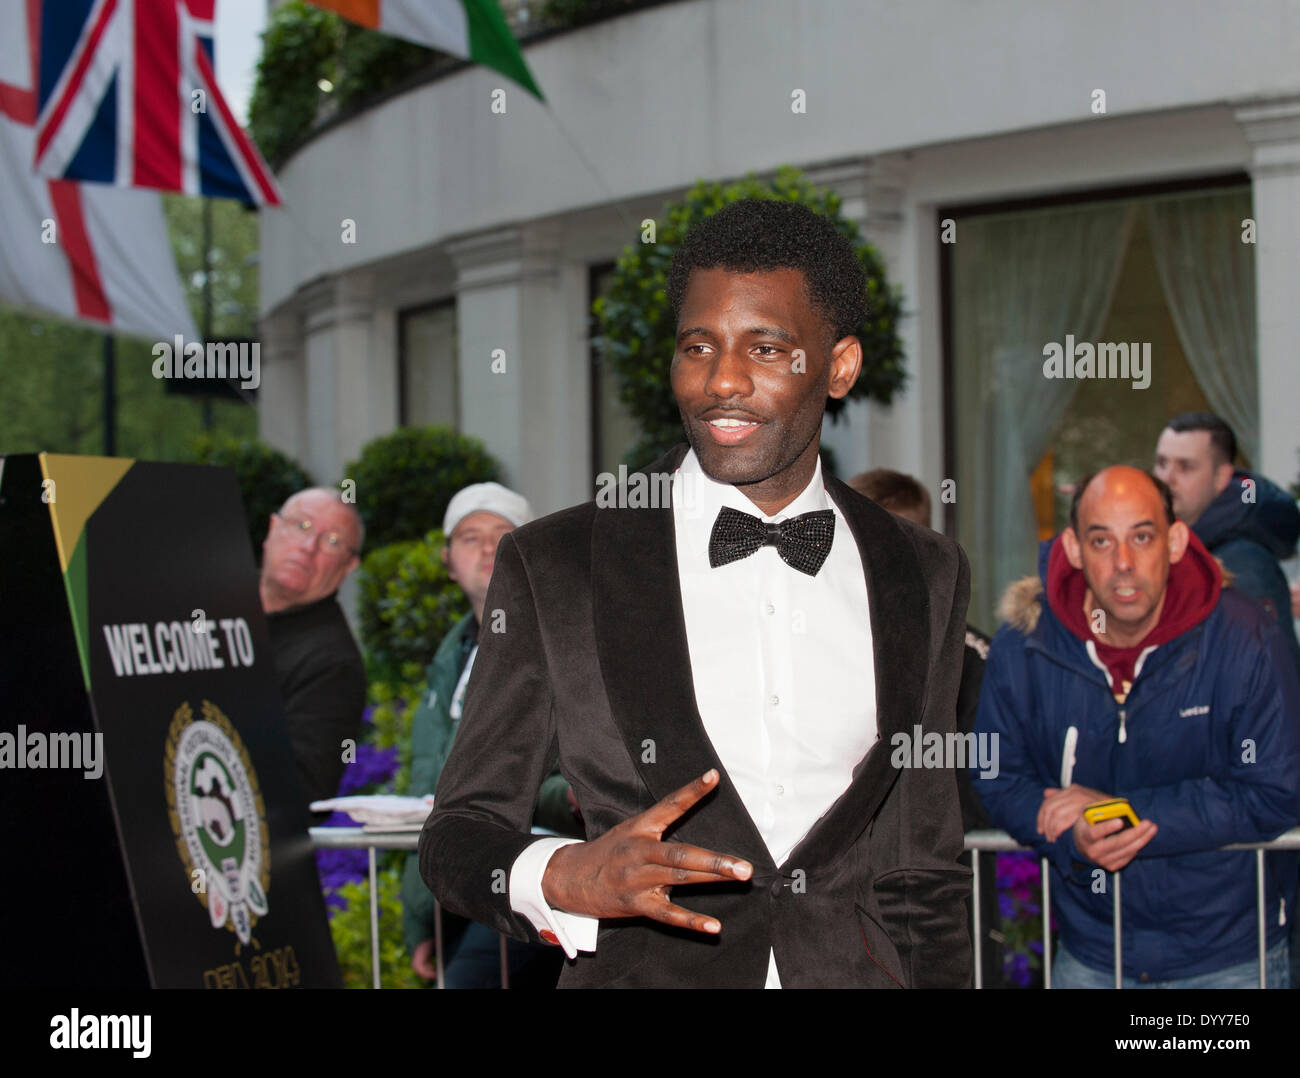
x=1069, y=972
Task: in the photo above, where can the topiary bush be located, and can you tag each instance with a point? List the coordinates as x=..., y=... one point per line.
x=266, y=477
x=393, y=707
x=377, y=569
x=635, y=322
x=405, y=480
x=371, y=62
x=300, y=46
x=303, y=45
x=407, y=603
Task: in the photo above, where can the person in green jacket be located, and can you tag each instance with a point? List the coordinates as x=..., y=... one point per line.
x=475, y=520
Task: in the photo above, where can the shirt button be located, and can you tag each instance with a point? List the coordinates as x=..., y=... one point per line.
x=774, y=700
x=770, y=608
x=780, y=791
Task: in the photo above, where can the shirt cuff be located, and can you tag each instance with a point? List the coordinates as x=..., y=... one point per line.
x=572, y=931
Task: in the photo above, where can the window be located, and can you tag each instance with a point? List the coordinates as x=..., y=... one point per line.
x=1148, y=300
x=428, y=386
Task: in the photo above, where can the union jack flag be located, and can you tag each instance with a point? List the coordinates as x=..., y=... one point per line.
x=128, y=96
x=86, y=252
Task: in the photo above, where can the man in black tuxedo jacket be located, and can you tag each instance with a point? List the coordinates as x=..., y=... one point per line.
x=735, y=680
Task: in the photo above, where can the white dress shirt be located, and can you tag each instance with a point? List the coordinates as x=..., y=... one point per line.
x=783, y=675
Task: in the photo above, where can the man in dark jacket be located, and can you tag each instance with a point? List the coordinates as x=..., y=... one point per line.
x=476, y=519
x=721, y=674
x=313, y=543
x=1245, y=521
x=1142, y=677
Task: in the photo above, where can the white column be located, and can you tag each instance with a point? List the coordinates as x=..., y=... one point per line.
x=1273, y=129
x=350, y=383
x=523, y=379
x=896, y=435
x=281, y=400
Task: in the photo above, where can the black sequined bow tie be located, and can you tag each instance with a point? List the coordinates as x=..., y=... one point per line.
x=803, y=541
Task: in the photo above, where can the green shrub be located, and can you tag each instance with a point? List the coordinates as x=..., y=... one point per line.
x=377, y=569
x=635, y=322
x=371, y=62
x=303, y=45
x=300, y=46
x=405, y=480
x=407, y=603
x=266, y=477
x=394, y=708
x=577, y=12
x=350, y=928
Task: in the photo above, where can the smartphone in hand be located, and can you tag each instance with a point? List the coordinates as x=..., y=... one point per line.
x=1115, y=808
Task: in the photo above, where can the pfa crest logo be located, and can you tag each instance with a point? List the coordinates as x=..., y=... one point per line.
x=218, y=817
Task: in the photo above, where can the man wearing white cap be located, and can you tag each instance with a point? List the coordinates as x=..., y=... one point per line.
x=476, y=519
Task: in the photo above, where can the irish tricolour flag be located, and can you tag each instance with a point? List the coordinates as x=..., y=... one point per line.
x=474, y=30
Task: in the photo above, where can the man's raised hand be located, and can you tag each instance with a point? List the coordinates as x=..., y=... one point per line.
x=629, y=870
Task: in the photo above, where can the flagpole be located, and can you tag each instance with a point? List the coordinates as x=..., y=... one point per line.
x=110, y=397
x=207, y=297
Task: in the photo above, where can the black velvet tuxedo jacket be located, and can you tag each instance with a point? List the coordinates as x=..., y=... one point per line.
x=592, y=669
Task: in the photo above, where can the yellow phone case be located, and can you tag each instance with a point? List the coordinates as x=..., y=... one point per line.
x=1117, y=808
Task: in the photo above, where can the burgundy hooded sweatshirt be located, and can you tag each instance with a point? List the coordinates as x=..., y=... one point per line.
x=1191, y=593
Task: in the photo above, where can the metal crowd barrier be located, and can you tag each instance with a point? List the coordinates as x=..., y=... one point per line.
x=370, y=839
x=1000, y=842
x=351, y=838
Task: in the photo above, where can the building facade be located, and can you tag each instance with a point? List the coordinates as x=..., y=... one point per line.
x=1027, y=171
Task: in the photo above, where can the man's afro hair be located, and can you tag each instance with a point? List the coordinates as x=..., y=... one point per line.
x=757, y=235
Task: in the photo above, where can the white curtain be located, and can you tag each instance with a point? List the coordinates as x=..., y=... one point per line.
x=1020, y=282
x=1208, y=276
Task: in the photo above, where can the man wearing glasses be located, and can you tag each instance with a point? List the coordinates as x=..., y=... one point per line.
x=313, y=543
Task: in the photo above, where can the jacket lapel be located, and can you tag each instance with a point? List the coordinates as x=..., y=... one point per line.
x=640, y=632
x=899, y=602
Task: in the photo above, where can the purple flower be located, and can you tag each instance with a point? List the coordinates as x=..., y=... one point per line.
x=1017, y=869
x=338, y=867
x=372, y=767
x=1020, y=903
